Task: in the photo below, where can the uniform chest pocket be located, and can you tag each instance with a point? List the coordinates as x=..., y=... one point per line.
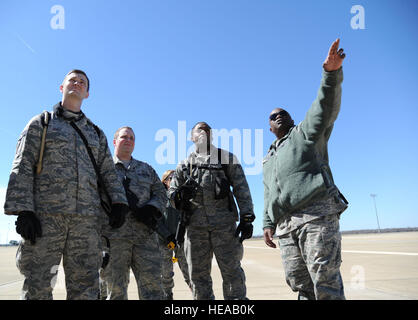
x=94, y=147
x=142, y=187
x=59, y=134
x=93, y=142
x=59, y=144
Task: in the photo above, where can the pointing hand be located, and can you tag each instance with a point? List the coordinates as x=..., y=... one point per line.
x=335, y=57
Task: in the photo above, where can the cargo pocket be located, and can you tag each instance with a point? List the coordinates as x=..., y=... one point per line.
x=331, y=238
x=24, y=257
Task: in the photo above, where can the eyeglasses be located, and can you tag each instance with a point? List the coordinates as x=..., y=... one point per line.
x=281, y=113
x=169, y=177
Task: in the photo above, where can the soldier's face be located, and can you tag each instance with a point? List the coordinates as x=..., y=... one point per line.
x=75, y=85
x=167, y=181
x=201, y=134
x=125, y=143
x=280, y=122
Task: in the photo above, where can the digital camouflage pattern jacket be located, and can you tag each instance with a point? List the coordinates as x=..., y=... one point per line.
x=67, y=183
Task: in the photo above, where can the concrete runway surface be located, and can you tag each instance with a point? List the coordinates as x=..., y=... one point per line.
x=375, y=267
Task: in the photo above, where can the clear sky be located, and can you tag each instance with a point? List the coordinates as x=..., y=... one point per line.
x=161, y=66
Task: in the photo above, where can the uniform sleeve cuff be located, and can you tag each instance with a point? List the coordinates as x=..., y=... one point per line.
x=332, y=77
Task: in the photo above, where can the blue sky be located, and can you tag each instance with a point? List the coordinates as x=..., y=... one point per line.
x=154, y=63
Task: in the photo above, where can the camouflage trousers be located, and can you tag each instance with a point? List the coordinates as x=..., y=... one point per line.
x=168, y=269
x=201, y=243
x=103, y=279
x=76, y=239
x=311, y=256
x=144, y=257
x=104, y=269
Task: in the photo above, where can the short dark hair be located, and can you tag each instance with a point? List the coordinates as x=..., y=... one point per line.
x=201, y=122
x=81, y=72
x=117, y=132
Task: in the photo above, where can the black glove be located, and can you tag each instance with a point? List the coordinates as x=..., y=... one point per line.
x=186, y=192
x=148, y=215
x=245, y=227
x=117, y=215
x=28, y=226
x=183, y=195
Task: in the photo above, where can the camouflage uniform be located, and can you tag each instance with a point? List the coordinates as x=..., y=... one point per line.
x=171, y=217
x=134, y=245
x=310, y=246
x=103, y=279
x=212, y=225
x=104, y=270
x=302, y=201
x=65, y=198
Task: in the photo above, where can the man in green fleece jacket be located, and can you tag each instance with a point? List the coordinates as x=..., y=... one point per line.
x=302, y=205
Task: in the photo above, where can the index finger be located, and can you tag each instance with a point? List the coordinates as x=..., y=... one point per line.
x=334, y=47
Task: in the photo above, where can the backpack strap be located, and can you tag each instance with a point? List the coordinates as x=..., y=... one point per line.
x=45, y=118
x=218, y=166
x=106, y=203
x=232, y=206
x=224, y=166
x=96, y=128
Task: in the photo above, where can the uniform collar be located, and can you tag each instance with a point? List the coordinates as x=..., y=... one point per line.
x=60, y=111
x=277, y=142
x=212, y=148
x=204, y=158
x=117, y=161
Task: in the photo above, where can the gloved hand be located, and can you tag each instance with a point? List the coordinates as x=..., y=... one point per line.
x=117, y=215
x=245, y=227
x=28, y=226
x=186, y=192
x=148, y=215
x=183, y=195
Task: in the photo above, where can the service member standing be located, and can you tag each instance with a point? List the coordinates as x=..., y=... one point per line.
x=56, y=197
x=212, y=226
x=300, y=197
x=171, y=219
x=135, y=245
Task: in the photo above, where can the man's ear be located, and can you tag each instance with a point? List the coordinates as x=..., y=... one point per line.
x=114, y=142
x=87, y=95
x=61, y=88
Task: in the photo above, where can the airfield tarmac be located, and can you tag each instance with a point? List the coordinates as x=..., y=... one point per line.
x=375, y=267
